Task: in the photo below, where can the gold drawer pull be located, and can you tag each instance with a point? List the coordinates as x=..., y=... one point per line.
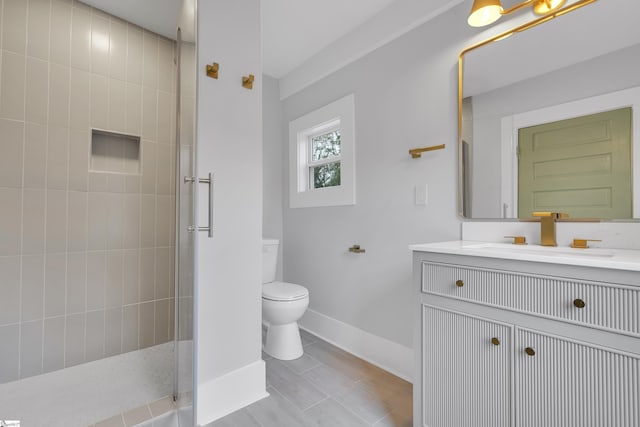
x=459, y=283
x=495, y=341
x=579, y=303
x=530, y=351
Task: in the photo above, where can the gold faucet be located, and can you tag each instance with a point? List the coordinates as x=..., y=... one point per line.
x=548, y=226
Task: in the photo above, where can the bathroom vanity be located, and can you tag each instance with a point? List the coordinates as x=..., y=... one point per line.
x=526, y=336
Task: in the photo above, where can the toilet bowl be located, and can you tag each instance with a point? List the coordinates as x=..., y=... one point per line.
x=283, y=304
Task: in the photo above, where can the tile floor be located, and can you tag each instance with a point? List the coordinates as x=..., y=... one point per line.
x=326, y=387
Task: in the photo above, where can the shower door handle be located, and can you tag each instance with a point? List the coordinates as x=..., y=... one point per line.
x=209, y=227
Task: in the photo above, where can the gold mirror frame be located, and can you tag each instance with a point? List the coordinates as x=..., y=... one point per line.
x=503, y=35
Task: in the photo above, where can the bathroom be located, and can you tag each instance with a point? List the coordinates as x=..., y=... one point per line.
x=361, y=301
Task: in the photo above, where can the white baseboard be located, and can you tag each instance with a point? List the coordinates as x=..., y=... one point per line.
x=386, y=354
x=228, y=393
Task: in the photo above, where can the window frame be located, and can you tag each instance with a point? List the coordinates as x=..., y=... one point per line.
x=336, y=115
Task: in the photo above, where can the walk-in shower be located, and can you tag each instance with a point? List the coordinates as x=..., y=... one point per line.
x=96, y=280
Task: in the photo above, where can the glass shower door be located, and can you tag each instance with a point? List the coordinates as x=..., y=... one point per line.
x=185, y=240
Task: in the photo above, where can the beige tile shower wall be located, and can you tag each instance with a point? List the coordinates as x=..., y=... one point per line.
x=86, y=259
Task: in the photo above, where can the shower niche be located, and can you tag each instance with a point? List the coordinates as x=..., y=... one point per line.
x=113, y=152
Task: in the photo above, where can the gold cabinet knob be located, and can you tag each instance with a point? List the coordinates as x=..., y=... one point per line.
x=579, y=303
x=495, y=341
x=530, y=351
x=459, y=283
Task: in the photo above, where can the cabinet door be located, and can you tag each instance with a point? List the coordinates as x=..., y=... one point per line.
x=564, y=383
x=466, y=377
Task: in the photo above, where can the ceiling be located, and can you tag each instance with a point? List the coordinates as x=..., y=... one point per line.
x=293, y=30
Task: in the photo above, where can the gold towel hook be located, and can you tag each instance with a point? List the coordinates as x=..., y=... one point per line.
x=212, y=70
x=247, y=81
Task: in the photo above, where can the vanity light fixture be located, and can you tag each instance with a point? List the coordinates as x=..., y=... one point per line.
x=485, y=12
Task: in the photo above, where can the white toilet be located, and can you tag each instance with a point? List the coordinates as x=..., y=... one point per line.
x=282, y=305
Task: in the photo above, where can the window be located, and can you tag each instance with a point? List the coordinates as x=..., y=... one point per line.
x=324, y=164
x=321, y=156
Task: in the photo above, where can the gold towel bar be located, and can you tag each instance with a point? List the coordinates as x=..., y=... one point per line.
x=417, y=152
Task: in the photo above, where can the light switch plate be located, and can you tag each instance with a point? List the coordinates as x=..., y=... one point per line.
x=421, y=194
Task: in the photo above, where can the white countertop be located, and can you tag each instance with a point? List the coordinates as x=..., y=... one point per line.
x=618, y=259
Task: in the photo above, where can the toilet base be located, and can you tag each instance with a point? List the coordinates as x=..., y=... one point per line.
x=283, y=341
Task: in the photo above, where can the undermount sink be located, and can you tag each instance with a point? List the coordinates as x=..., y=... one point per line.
x=540, y=250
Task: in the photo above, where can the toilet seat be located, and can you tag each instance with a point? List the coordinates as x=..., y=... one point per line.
x=283, y=291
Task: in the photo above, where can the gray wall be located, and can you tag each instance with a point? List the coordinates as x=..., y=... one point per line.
x=405, y=97
x=273, y=153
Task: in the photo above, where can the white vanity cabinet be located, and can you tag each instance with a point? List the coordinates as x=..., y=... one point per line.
x=520, y=343
x=569, y=383
x=466, y=378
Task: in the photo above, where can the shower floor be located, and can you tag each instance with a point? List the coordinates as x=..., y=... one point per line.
x=87, y=393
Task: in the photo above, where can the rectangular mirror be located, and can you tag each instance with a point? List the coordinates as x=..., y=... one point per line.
x=558, y=74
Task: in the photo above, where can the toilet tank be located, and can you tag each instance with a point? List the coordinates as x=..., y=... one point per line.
x=269, y=259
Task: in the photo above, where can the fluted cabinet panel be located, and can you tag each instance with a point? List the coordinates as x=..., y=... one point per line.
x=466, y=379
x=606, y=306
x=567, y=383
